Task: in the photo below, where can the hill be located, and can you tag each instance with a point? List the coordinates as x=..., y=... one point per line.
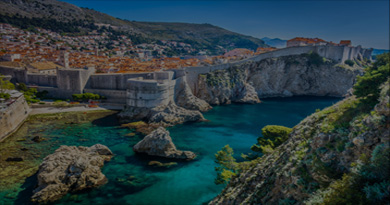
x=70, y=19
x=275, y=42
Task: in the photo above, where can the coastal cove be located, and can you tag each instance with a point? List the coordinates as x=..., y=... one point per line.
x=130, y=179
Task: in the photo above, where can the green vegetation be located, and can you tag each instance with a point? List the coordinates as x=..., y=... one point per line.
x=46, y=23
x=367, y=183
x=5, y=96
x=87, y=96
x=349, y=62
x=29, y=93
x=367, y=86
x=273, y=136
x=227, y=165
x=314, y=59
x=69, y=21
x=5, y=85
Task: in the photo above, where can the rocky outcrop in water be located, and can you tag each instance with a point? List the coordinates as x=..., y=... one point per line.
x=327, y=156
x=70, y=169
x=163, y=115
x=159, y=143
x=276, y=77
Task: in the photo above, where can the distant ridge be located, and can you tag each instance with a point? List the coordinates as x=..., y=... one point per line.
x=275, y=42
x=200, y=36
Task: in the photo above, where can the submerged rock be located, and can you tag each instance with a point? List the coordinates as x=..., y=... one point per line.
x=141, y=127
x=159, y=143
x=38, y=139
x=14, y=159
x=70, y=169
x=160, y=164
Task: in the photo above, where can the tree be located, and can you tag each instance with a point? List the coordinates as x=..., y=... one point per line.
x=367, y=86
x=227, y=165
x=273, y=136
x=5, y=84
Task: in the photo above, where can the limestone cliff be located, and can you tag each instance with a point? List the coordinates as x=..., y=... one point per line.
x=306, y=74
x=186, y=99
x=226, y=86
x=331, y=155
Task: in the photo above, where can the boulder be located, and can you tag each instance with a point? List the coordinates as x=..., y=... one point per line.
x=70, y=169
x=159, y=143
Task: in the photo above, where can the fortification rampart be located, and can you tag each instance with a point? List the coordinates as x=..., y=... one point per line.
x=19, y=75
x=13, y=116
x=151, y=92
x=42, y=79
x=113, y=81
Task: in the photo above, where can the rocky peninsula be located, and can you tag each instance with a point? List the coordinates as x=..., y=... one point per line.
x=70, y=169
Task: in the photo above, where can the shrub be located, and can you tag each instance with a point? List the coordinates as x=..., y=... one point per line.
x=349, y=62
x=42, y=94
x=273, y=136
x=345, y=191
x=22, y=87
x=5, y=95
x=315, y=59
x=86, y=96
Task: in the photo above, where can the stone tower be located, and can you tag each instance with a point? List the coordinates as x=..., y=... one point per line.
x=64, y=61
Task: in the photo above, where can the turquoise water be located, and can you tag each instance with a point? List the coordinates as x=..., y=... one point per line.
x=132, y=181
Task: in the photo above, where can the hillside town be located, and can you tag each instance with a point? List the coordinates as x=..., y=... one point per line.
x=42, y=51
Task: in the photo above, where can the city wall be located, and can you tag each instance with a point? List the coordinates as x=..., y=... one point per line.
x=12, y=117
x=146, y=89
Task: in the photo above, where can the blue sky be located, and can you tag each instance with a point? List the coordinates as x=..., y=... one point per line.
x=366, y=23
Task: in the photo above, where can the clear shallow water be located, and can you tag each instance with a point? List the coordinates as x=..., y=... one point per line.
x=132, y=181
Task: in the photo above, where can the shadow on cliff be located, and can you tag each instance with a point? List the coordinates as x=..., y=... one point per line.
x=107, y=121
x=24, y=197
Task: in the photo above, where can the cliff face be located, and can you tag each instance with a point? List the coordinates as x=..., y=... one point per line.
x=283, y=76
x=340, y=140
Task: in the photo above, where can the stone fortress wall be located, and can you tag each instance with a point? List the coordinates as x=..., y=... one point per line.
x=151, y=93
x=151, y=89
x=12, y=116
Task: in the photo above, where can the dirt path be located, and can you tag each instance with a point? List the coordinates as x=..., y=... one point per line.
x=74, y=109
